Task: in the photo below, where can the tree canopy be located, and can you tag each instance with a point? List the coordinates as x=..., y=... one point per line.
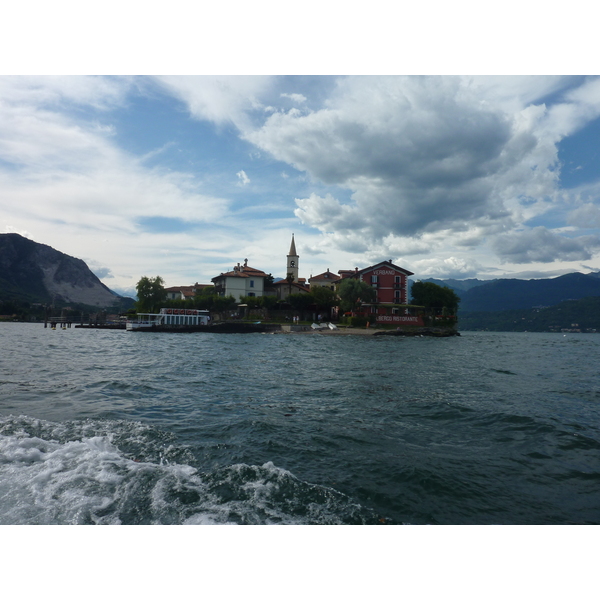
x=431, y=295
x=151, y=294
x=324, y=298
x=353, y=292
x=300, y=302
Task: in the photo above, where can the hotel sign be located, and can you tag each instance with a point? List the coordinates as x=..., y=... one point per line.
x=401, y=319
x=384, y=272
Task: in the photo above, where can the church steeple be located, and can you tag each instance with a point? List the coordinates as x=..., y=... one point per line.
x=292, y=260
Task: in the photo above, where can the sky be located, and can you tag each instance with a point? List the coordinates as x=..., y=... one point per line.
x=184, y=176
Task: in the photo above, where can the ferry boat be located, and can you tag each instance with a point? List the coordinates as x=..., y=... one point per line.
x=185, y=320
x=170, y=319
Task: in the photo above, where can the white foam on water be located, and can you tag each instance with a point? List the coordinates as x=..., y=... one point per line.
x=75, y=473
x=87, y=481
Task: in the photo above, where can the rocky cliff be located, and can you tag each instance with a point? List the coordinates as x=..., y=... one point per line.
x=38, y=273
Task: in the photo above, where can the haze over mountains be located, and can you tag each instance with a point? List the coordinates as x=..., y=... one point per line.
x=34, y=272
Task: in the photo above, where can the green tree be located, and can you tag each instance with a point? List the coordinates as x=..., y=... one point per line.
x=269, y=302
x=353, y=292
x=151, y=294
x=223, y=303
x=300, y=302
x=268, y=282
x=290, y=280
x=324, y=298
x=431, y=295
x=252, y=301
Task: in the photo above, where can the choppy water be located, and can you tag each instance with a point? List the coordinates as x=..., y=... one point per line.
x=117, y=427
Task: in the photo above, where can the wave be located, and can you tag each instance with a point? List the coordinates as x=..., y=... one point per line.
x=120, y=472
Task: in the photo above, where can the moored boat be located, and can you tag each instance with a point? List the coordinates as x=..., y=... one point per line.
x=169, y=319
x=179, y=320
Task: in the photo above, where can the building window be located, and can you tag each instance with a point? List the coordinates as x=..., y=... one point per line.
x=397, y=279
x=373, y=278
x=373, y=310
x=397, y=294
x=252, y=294
x=252, y=283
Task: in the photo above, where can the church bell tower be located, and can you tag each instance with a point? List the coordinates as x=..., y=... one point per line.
x=292, y=261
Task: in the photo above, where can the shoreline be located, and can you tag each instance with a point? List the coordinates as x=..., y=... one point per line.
x=416, y=332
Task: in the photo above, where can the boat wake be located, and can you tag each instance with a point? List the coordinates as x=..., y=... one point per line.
x=118, y=472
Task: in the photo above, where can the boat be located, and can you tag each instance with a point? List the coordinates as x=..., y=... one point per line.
x=169, y=319
x=185, y=320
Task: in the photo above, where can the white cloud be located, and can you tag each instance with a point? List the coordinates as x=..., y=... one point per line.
x=221, y=99
x=243, y=178
x=442, y=155
x=585, y=217
x=544, y=246
x=298, y=98
x=446, y=268
x=67, y=184
x=444, y=171
x=11, y=229
x=419, y=154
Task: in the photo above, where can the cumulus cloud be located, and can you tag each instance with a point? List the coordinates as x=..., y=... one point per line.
x=419, y=154
x=298, y=98
x=243, y=178
x=585, y=217
x=544, y=246
x=447, y=268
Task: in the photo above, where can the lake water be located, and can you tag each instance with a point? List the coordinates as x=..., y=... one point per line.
x=112, y=427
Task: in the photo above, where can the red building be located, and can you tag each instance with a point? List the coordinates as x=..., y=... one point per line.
x=391, y=283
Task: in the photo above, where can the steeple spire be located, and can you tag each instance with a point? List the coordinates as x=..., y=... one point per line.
x=292, y=251
x=292, y=261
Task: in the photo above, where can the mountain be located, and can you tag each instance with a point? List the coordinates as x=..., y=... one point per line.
x=572, y=315
x=513, y=294
x=35, y=272
x=509, y=294
x=459, y=285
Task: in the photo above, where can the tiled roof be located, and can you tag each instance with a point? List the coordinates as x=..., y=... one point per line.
x=327, y=276
x=242, y=271
x=284, y=282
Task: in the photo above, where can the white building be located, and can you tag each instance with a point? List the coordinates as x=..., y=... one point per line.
x=242, y=281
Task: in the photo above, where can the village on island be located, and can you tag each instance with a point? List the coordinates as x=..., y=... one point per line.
x=247, y=299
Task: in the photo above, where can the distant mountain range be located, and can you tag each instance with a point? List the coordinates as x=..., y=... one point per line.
x=571, y=315
x=512, y=294
x=37, y=273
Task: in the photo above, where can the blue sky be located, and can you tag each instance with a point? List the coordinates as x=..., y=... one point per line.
x=185, y=176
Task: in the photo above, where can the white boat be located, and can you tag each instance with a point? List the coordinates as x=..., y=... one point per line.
x=169, y=318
